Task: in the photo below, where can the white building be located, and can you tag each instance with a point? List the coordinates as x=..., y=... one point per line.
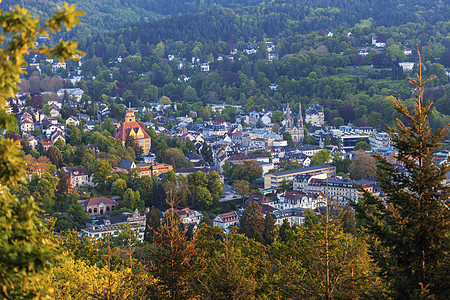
x=227, y=220
x=98, y=229
x=380, y=140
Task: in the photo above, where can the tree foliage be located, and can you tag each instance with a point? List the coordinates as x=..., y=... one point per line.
x=26, y=248
x=410, y=226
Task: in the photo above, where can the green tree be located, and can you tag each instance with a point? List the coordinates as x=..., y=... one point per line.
x=172, y=259
x=362, y=146
x=215, y=185
x=277, y=116
x=288, y=137
x=410, y=227
x=207, y=153
x=249, y=170
x=132, y=200
x=102, y=171
x=25, y=243
x=224, y=267
x=252, y=222
x=190, y=94
x=118, y=187
x=270, y=229
x=153, y=222
x=342, y=165
x=321, y=157
x=130, y=141
x=242, y=188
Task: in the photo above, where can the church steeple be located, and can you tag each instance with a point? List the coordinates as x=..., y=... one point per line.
x=129, y=115
x=288, y=117
x=301, y=134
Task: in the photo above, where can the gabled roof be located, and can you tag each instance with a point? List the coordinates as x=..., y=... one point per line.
x=98, y=200
x=127, y=164
x=125, y=129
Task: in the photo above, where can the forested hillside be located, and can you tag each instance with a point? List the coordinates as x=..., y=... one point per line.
x=324, y=54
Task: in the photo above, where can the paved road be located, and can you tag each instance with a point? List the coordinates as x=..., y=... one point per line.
x=228, y=194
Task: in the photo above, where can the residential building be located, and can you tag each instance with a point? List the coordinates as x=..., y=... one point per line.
x=187, y=215
x=314, y=115
x=380, y=140
x=78, y=177
x=135, y=129
x=100, y=228
x=273, y=180
x=340, y=191
x=227, y=220
x=294, y=216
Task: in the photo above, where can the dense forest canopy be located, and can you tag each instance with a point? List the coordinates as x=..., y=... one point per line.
x=305, y=14
x=316, y=59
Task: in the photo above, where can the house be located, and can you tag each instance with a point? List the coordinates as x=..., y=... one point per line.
x=46, y=145
x=407, y=66
x=54, y=113
x=76, y=93
x=153, y=169
x=32, y=169
x=100, y=228
x=204, y=67
x=127, y=165
x=26, y=125
x=241, y=158
x=250, y=49
x=78, y=177
x=299, y=199
x=98, y=206
x=187, y=215
x=93, y=147
x=57, y=136
x=374, y=40
x=90, y=125
x=52, y=128
x=380, y=140
x=72, y=121
x=294, y=216
x=32, y=141
x=227, y=220
x=314, y=115
x=270, y=46
x=264, y=202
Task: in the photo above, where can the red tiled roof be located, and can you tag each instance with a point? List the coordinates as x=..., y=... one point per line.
x=125, y=129
x=97, y=201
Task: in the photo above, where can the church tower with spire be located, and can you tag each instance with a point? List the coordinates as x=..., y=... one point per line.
x=301, y=133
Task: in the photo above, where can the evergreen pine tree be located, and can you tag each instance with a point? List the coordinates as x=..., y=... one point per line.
x=410, y=227
x=152, y=224
x=172, y=257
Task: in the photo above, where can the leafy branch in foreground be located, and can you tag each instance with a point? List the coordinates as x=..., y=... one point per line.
x=25, y=245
